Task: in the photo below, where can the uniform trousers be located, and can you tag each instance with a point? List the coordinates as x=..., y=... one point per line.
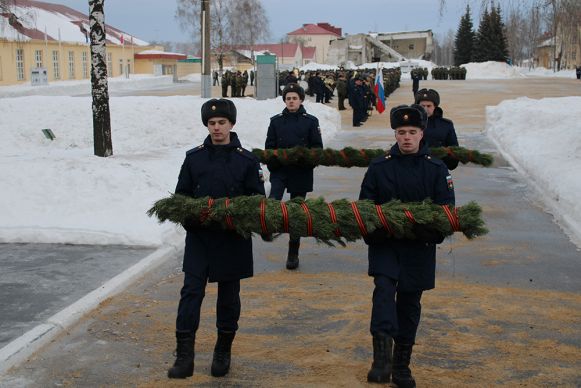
x=394, y=312
x=192, y=295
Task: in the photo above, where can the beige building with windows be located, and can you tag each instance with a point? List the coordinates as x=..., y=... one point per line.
x=31, y=43
x=316, y=35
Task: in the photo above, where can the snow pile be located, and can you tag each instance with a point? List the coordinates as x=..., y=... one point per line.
x=77, y=87
x=491, y=70
x=543, y=72
x=541, y=140
x=59, y=192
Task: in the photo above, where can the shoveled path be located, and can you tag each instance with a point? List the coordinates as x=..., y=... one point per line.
x=506, y=310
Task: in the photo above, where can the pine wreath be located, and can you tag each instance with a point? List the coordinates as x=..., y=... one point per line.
x=338, y=221
x=352, y=157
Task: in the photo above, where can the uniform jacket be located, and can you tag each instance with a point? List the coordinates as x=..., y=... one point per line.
x=441, y=133
x=409, y=178
x=293, y=129
x=217, y=172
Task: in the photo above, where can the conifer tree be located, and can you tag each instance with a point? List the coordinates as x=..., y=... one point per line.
x=464, y=42
x=481, y=48
x=498, y=43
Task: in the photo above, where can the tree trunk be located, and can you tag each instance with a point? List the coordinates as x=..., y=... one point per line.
x=99, y=89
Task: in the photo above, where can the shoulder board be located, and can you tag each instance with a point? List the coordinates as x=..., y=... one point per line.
x=195, y=149
x=446, y=120
x=247, y=154
x=434, y=160
x=276, y=116
x=310, y=116
x=382, y=159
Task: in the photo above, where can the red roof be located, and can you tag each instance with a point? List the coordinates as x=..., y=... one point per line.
x=161, y=55
x=309, y=52
x=313, y=29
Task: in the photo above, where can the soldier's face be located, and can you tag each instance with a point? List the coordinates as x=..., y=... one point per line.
x=429, y=107
x=292, y=101
x=219, y=128
x=408, y=139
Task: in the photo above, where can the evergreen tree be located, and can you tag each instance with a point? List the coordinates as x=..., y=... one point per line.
x=499, y=46
x=481, y=50
x=464, y=42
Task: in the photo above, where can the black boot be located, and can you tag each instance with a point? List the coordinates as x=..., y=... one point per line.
x=381, y=367
x=222, y=351
x=402, y=374
x=184, y=365
x=292, y=261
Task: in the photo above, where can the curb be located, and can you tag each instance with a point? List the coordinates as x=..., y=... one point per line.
x=18, y=350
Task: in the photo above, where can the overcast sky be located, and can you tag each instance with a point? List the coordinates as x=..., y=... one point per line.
x=155, y=19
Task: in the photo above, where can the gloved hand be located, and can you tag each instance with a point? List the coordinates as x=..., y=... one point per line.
x=378, y=236
x=427, y=235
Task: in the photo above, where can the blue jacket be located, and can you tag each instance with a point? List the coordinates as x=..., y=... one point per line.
x=409, y=178
x=293, y=129
x=219, y=171
x=441, y=133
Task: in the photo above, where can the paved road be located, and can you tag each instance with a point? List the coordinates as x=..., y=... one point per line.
x=506, y=310
x=38, y=280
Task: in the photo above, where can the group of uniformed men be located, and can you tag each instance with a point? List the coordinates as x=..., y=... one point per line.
x=236, y=80
x=402, y=269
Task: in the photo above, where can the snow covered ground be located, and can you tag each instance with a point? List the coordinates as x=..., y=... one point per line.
x=542, y=140
x=58, y=191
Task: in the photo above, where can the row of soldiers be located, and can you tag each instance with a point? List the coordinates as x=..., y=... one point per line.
x=237, y=82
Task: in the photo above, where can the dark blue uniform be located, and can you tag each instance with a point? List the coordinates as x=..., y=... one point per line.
x=441, y=133
x=416, y=77
x=405, y=267
x=288, y=130
x=216, y=255
x=357, y=101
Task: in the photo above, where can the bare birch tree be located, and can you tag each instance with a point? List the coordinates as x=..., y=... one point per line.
x=99, y=88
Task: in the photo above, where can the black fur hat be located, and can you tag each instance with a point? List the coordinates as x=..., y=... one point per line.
x=408, y=115
x=293, y=87
x=428, y=95
x=218, y=108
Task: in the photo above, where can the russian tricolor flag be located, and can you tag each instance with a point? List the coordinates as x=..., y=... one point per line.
x=379, y=92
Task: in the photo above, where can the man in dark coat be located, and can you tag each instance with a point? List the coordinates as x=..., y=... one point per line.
x=218, y=168
x=357, y=101
x=440, y=131
x=416, y=77
x=293, y=127
x=578, y=72
x=402, y=269
x=342, y=91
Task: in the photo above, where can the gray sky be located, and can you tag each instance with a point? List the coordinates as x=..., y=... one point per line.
x=154, y=19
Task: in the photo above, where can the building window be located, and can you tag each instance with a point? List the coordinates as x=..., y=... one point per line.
x=71, y=65
x=121, y=67
x=56, y=67
x=85, y=58
x=20, y=64
x=0, y=68
x=411, y=46
x=110, y=64
x=38, y=58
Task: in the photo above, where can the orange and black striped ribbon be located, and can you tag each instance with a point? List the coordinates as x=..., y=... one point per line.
x=333, y=215
x=284, y=211
x=309, y=219
x=383, y=220
x=359, y=219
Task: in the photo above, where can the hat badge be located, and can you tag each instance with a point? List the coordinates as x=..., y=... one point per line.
x=425, y=95
x=213, y=107
x=406, y=117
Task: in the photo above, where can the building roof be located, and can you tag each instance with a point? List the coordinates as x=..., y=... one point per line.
x=157, y=54
x=309, y=52
x=316, y=29
x=279, y=49
x=29, y=19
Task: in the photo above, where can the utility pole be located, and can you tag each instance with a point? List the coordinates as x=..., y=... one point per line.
x=205, y=33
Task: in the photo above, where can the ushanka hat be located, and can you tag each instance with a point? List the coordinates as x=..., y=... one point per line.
x=218, y=108
x=408, y=115
x=293, y=87
x=428, y=95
